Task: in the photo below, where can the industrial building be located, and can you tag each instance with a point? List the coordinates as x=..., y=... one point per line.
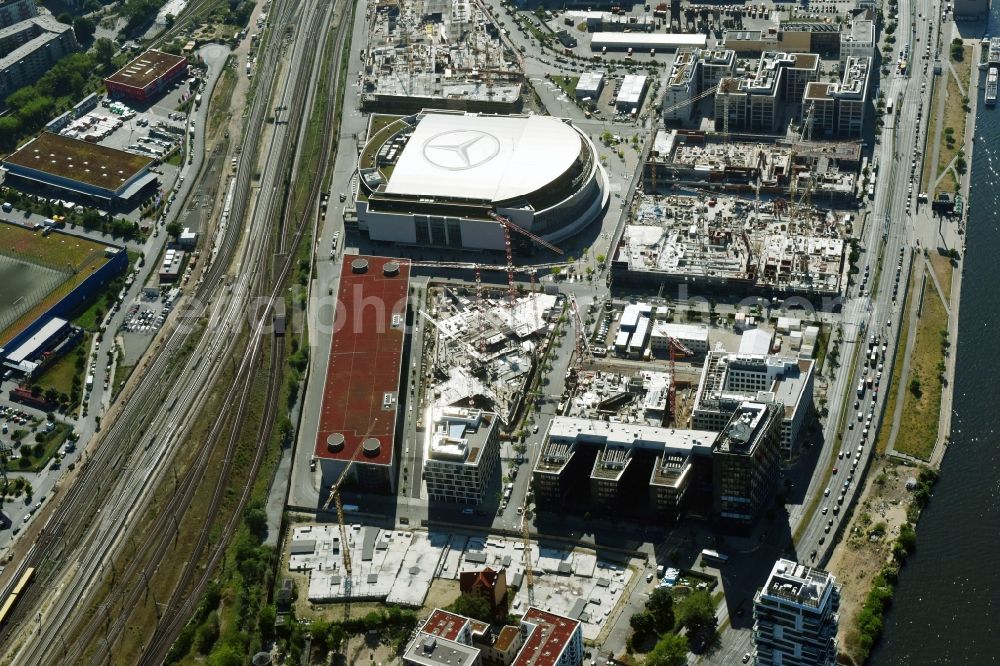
x=461, y=454
x=146, y=77
x=30, y=48
x=453, y=59
x=41, y=347
x=730, y=379
x=795, y=617
x=437, y=177
x=692, y=73
x=756, y=102
x=631, y=93
x=171, y=266
x=829, y=169
x=730, y=245
x=839, y=109
x=589, y=86
x=15, y=11
x=80, y=170
x=542, y=639
x=645, y=41
x=746, y=463
x=359, y=410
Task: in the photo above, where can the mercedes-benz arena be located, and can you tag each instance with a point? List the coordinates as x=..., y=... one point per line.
x=433, y=178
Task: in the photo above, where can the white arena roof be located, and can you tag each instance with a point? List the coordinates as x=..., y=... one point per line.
x=490, y=158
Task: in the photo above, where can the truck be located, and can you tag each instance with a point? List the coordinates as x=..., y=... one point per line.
x=90, y=382
x=709, y=556
x=861, y=388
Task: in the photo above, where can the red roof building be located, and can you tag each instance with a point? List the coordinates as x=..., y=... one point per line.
x=360, y=400
x=449, y=626
x=553, y=640
x=490, y=585
x=146, y=77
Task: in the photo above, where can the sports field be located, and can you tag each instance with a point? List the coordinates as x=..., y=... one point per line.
x=36, y=271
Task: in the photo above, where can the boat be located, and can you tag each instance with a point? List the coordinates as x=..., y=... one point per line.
x=991, y=85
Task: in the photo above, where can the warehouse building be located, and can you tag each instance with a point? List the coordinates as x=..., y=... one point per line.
x=31, y=47
x=728, y=380
x=147, y=77
x=361, y=392
x=436, y=179
x=41, y=347
x=631, y=93
x=589, y=86
x=795, y=617
x=80, y=170
x=461, y=454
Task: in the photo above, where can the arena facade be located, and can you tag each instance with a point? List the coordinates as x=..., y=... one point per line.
x=433, y=178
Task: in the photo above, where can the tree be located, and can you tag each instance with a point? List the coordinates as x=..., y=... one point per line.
x=697, y=614
x=104, y=52
x=84, y=29
x=670, y=650
x=472, y=606
x=174, y=229
x=915, y=388
x=661, y=606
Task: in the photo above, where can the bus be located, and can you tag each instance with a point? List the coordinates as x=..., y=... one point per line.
x=713, y=557
x=888, y=106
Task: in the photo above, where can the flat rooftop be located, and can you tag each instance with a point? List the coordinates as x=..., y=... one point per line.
x=81, y=161
x=444, y=624
x=546, y=643
x=798, y=583
x=145, y=69
x=360, y=397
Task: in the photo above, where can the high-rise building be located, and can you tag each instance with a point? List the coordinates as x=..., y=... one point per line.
x=462, y=454
x=746, y=462
x=795, y=617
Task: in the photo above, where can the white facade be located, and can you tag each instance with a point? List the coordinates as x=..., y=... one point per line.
x=461, y=454
x=590, y=85
x=694, y=337
x=795, y=617
x=858, y=40
x=631, y=93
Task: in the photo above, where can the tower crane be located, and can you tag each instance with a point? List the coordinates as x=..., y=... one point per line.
x=676, y=347
x=582, y=344
x=335, y=499
x=529, y=579
x=507, y=227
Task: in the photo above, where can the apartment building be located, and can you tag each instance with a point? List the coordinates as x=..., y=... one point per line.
x=728, y=380
x=15, y=11
x=795, y=617
x=461, y=454
x=30, y=48
x=746, y=462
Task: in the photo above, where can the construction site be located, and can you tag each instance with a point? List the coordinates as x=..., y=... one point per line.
x=434, y=54
x=819, y=171
x=744, y=246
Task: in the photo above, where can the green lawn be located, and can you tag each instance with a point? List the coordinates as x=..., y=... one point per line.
x=59, y=375
x=918, y=426
x=567, y=83
x=891, y=389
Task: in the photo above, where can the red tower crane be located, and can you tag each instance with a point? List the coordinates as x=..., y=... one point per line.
x=507, y=227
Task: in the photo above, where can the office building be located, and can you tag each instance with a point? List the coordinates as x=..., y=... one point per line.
x=858, y=40
x=692, y=73
x=618, y=467
x=795, y=617
x=839, y=109
x=746, y=462
x=15, y=11
x=756, y=102
x=728, y=379
x=589, y=86
x=30, y=48
x=691, y=336
x=461, y=454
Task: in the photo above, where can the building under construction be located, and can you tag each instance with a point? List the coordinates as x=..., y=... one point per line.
x=426, y=54
x=713, y=242
x=827, y=170
x=482, y=351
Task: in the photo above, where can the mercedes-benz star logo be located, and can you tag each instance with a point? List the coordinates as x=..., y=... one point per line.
x=458, y=150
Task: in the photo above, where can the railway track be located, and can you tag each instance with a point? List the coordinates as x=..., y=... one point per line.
x=81, y=506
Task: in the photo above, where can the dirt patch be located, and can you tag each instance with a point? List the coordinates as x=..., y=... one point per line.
x=442, y=594
x=943, y=270
x=867, y=543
